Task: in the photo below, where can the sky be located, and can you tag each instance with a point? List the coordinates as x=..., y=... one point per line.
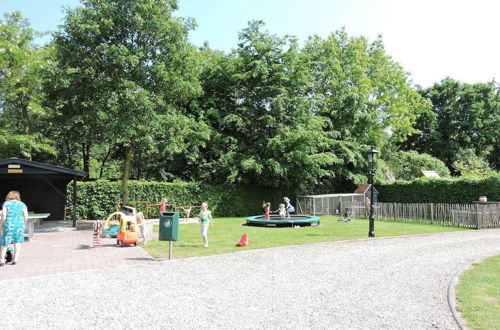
x=431, y=39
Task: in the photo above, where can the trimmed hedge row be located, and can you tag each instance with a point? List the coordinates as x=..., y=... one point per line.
x=453, y=190
x=97, y=199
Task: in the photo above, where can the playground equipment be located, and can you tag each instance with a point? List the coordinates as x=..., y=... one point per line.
x=346, y=215
x=186, y=210
x=110, y=232
x=277, y=221
x=155, y=208
x=146, y=207
x=96, y=239
x=127, y=228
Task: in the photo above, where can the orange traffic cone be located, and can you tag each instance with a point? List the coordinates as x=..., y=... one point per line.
x=244, y=241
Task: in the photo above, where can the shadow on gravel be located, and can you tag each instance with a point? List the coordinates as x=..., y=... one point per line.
x=142, y=259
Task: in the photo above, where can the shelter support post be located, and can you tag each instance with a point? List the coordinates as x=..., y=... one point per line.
x=73, y=209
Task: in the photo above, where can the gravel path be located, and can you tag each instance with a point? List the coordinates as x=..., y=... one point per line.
x=389, y=283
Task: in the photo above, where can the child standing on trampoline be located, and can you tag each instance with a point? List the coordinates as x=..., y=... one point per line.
x=267, y=210
x=288, y=207
x=205, y=221
x=282, y=211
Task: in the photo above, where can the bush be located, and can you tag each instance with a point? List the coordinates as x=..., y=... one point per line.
x=408, y=165
x=457, y=190
x=97, y=199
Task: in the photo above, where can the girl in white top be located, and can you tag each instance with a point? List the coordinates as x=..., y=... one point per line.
x=282, y=211
x=141, y=223
x=205, y=220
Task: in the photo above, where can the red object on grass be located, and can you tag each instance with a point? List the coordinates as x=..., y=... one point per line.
x=244, y=241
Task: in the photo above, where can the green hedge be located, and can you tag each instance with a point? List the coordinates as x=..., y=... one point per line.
x=98, y=199
x=457, y=190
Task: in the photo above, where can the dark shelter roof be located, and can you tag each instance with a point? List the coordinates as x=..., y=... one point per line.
x=36, y=168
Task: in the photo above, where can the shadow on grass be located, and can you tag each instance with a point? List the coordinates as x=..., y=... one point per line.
x=186, y=245
x=319, y=235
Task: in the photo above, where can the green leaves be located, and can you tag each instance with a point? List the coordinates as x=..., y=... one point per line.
x=122, y=71
x=408, y=165
x=463, y=116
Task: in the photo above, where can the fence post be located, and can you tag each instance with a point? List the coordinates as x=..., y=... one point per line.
x=478, y=217
x=432, y=213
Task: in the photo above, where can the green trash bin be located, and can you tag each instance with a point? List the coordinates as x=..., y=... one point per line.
x=169, y=226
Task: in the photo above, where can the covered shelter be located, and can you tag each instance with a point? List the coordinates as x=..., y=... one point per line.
x=43, y=187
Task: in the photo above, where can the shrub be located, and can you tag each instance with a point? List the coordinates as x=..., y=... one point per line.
x=407, y=165
x=98, y=199
x=456, y=190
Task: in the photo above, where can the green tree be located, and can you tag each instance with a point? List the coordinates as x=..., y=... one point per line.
x=124, y=68
x=363, y=94
x=21, y=111
x=408, y=165
x=464, y=116
x=469, y=164
x=255, y=101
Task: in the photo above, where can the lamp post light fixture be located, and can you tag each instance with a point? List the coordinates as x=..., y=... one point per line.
x=372, y=160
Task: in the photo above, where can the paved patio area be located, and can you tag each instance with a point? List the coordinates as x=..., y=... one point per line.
x=58, y=248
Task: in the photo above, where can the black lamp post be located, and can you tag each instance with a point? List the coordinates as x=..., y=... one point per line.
x=372, y=159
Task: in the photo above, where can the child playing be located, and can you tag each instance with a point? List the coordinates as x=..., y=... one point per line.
x=267, y=210
x=141, y=222
x=282, y=211
x=288, y=207
x=205, y=220
x=162, y=207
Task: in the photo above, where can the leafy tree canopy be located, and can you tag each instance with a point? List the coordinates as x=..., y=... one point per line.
x=21, y=111
x=463, y=116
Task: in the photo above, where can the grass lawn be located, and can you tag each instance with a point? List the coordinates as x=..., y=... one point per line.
x=226, y=232
x=478, y=293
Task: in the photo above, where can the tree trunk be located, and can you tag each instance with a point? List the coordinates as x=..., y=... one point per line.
x=104, y=162
x=86, y=158
x=69, y=153
x=126, y=172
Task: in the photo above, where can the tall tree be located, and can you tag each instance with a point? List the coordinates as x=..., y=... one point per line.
x=463, y=117
x=21, y=97
x=255, y=102
x=123, y=67
x=363, y=94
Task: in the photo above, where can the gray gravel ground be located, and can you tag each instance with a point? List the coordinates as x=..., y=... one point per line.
x=382, y=283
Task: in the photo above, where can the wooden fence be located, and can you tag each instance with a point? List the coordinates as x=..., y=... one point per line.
x=477, y=215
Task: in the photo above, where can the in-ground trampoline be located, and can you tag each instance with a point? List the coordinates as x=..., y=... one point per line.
x=277, y=221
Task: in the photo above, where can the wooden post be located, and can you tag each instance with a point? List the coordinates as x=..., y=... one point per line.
x=478, y=224
x=73, y=210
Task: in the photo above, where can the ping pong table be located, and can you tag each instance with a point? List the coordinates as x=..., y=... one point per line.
x=30, y=225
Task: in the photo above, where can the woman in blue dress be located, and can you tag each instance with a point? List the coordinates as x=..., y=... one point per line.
x=14, y=216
